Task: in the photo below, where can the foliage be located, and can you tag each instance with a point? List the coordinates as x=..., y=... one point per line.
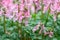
x=12, y=32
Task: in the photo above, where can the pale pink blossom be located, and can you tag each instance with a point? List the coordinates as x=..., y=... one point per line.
x=42, y=29
x=0, y=13
x=50, y=34
x=36, y=28
x=46, y=33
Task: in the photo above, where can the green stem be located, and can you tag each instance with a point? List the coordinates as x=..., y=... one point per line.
x=18, y=27
x=0, y=19
x=42, y=6
x=18, y=22
x=47, y=15
x=4, y=25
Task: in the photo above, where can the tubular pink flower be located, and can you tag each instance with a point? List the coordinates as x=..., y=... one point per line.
x=0, y=13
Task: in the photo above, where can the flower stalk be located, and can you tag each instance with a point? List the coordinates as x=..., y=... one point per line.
x=4, y=21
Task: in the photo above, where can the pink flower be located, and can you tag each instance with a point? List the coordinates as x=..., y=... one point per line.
x=42, y=29
x=6, y=3
x=36, y=28
x=21, y=7
x=46, y=33
x=26, y=22
x=50, y=34
x=27, y=14
x=9, y=16
x=33, y=9
x=0, y=13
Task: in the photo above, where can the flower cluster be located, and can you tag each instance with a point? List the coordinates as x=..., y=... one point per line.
x=25, y=7
x=42, y=29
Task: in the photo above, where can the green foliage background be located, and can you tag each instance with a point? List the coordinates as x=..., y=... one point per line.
x=26, y=32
